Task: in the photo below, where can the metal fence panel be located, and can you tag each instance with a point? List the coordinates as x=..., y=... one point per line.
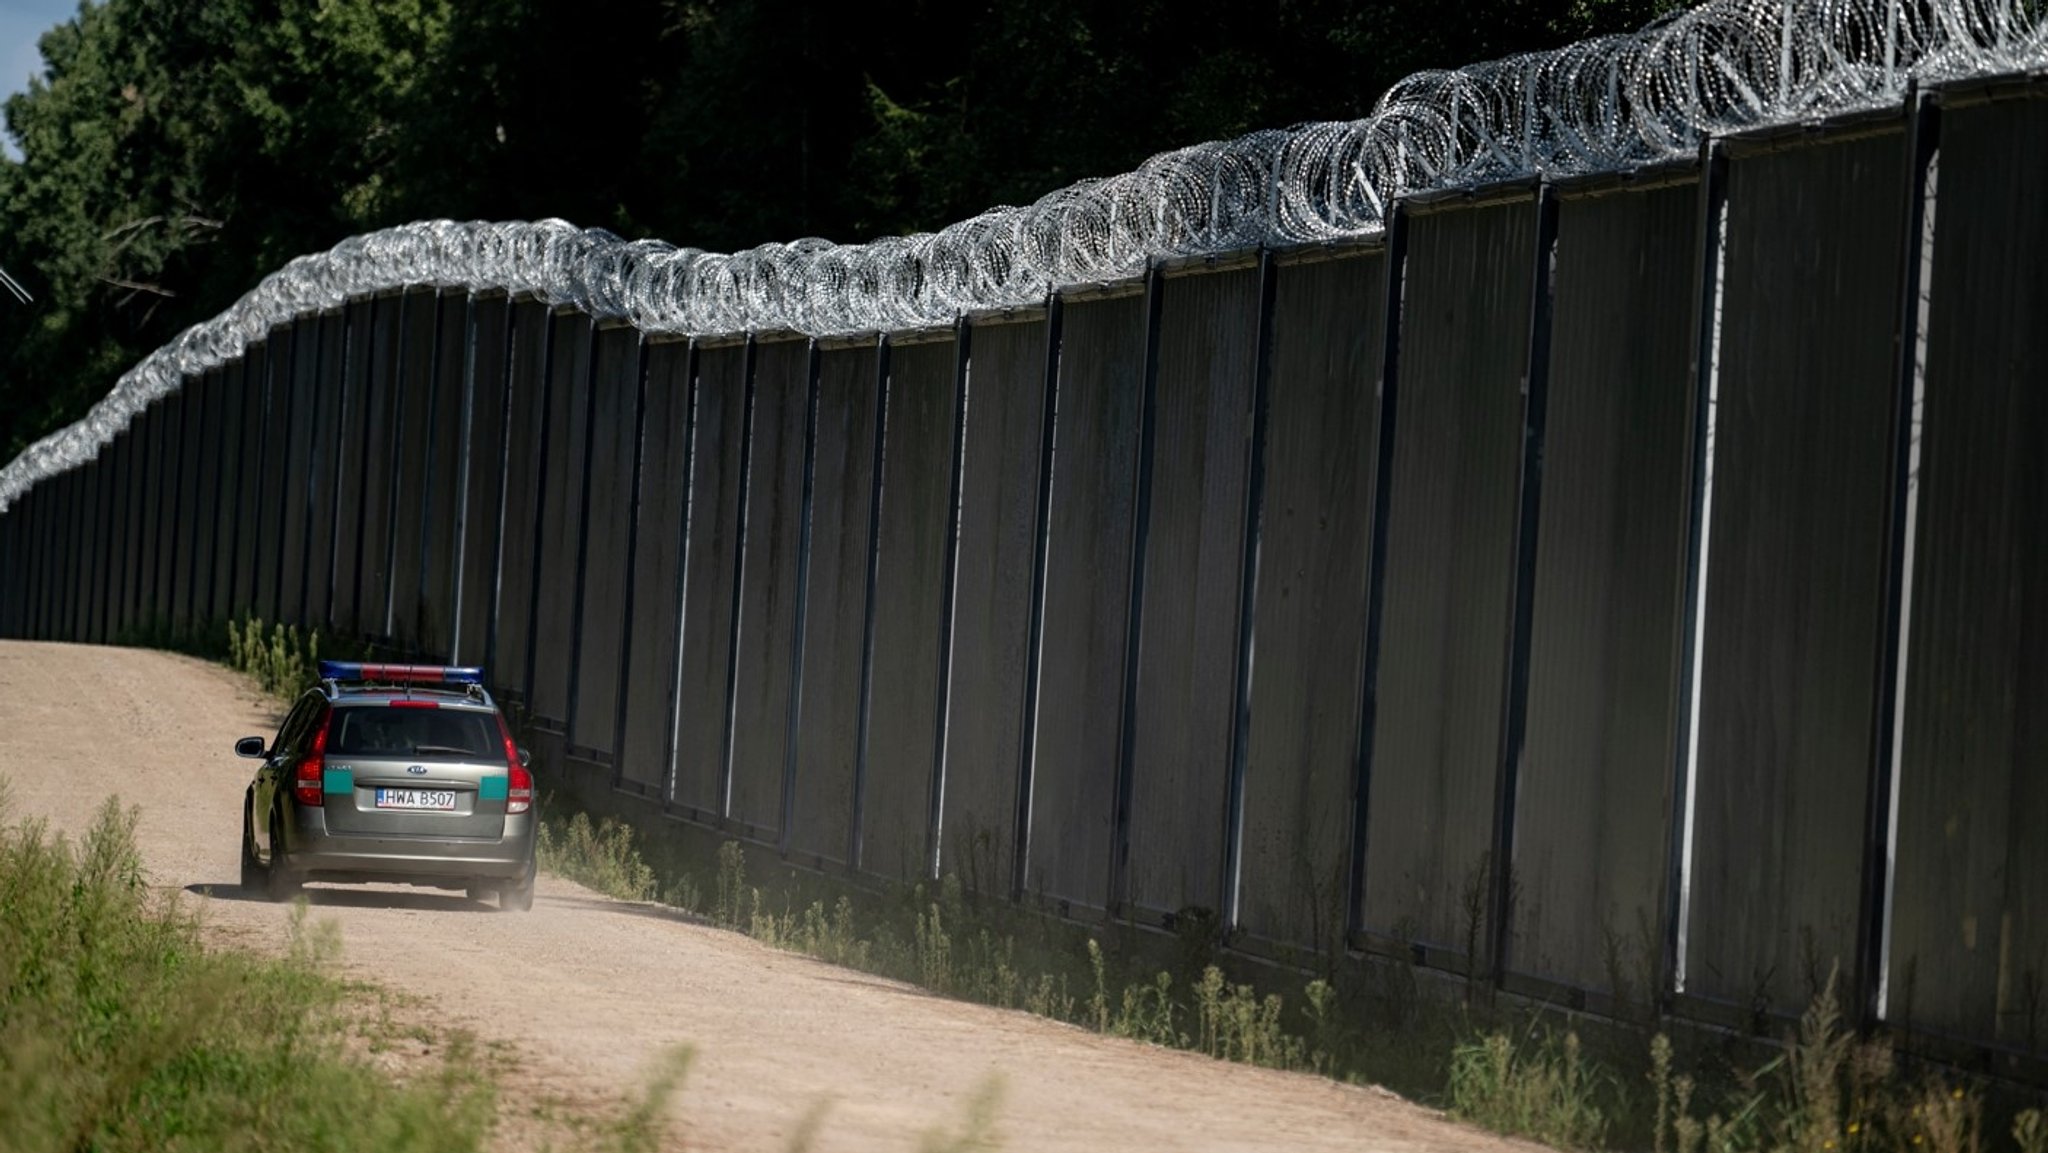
x=323, y=464
x=702, y=707
x=209, y=499
x=189, y=512
x=655, y=625
x=1309, y=624
x=1186, y=704
x=1087, y=596
x=1969, y=939
x=1594, y=800
x=615, y=445
x=141, y=514
x=168, y=434
x=412, y=448
x=901, y=757
x=1450, y=541
x=351, y=416
x=526, y=406
x=764, y=676
x=279, y=462
x=10, y=571
x=36, y=554
x=564, y=475
x=375, y=488
x=483, y=484
x=442, y=522
x=100, y=524
x=992, y=602
x=1795, y=567
x=302, y=411
x=836, y=604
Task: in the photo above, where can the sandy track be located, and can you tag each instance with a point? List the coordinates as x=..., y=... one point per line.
x=591, y=990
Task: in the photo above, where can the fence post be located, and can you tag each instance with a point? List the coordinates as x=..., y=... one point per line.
x=1923, y=140
x=579, y=586
x=1027, y=752
x=1376, y=567
x=787, y=818
x=632, y=559
x=1134, y=632
x=739, y=580
x=963, y=338
x=682, y=590
x=1515, y=700
x=1705, y=361
x=867, y=638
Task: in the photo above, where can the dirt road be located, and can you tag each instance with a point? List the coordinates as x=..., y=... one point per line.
x=589, y=991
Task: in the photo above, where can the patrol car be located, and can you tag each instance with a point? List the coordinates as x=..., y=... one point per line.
x=391, y=773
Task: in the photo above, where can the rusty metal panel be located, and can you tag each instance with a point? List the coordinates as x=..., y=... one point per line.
x=654, y=627
x=836, y=604
x=565, y=472
x=764, y=674
x=1087, y=598
x=992, y=603
x=1309, y=622
x=322, y=462
x=608, y=509
x=433, y=630
x=1450, y=551
x=418, y=379
x=350, y=444
x=1594, y=799
x=483, y=484
x=711, y=550
x=526, y=402
x=302, y=409
x=1969, y=935
x=374, y=492
x=1795, y=568
x=1186, y=707
x=901, y=757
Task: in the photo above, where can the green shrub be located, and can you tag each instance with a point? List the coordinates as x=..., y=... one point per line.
x=119, y=1031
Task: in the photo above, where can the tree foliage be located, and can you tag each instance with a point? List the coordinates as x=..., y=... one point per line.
x=174, y=151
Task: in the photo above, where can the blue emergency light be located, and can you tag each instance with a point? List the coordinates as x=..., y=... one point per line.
x=396, y=674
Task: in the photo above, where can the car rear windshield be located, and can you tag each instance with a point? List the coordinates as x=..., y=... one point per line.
x=382, y=731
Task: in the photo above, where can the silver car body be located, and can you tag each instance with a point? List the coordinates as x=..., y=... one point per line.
x=414, y=787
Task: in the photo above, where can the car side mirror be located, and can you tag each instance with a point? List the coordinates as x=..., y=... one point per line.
x=249, y=747
x=525, y=758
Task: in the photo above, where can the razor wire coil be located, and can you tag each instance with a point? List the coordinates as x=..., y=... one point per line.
x=1606, y=104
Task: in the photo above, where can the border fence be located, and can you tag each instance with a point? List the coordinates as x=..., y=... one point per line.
x=1625, y=586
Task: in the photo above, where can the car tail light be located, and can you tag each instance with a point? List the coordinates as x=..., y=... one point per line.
x=308, y=779
x=519, y=790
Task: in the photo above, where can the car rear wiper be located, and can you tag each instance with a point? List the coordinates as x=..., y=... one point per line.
x=446, y=749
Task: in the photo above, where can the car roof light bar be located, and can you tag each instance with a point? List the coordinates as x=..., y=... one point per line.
x=358, y=671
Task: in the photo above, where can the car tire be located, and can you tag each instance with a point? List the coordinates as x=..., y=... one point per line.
x=254, y=875
x=279, y=883
x=518, y=897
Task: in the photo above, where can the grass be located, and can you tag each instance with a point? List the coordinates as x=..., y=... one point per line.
x=1567, y=1081
x=119, y=1031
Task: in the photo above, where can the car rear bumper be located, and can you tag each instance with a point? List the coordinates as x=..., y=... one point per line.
x=317, y=855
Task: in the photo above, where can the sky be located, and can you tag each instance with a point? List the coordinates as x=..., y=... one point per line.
x=22, y=23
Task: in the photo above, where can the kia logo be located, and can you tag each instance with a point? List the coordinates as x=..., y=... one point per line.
x=416, y=770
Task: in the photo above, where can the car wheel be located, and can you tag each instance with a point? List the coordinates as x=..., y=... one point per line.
x=279, y=883
x=253, y=873
x=518, y=898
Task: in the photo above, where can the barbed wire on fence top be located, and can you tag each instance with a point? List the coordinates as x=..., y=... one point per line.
x=1606, y=104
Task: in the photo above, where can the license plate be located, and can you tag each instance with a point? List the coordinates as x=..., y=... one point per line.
x=442, y=800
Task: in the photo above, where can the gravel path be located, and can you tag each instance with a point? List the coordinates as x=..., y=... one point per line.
x=588, y=991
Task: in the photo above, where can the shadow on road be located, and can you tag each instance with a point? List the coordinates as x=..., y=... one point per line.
x=322, y=898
